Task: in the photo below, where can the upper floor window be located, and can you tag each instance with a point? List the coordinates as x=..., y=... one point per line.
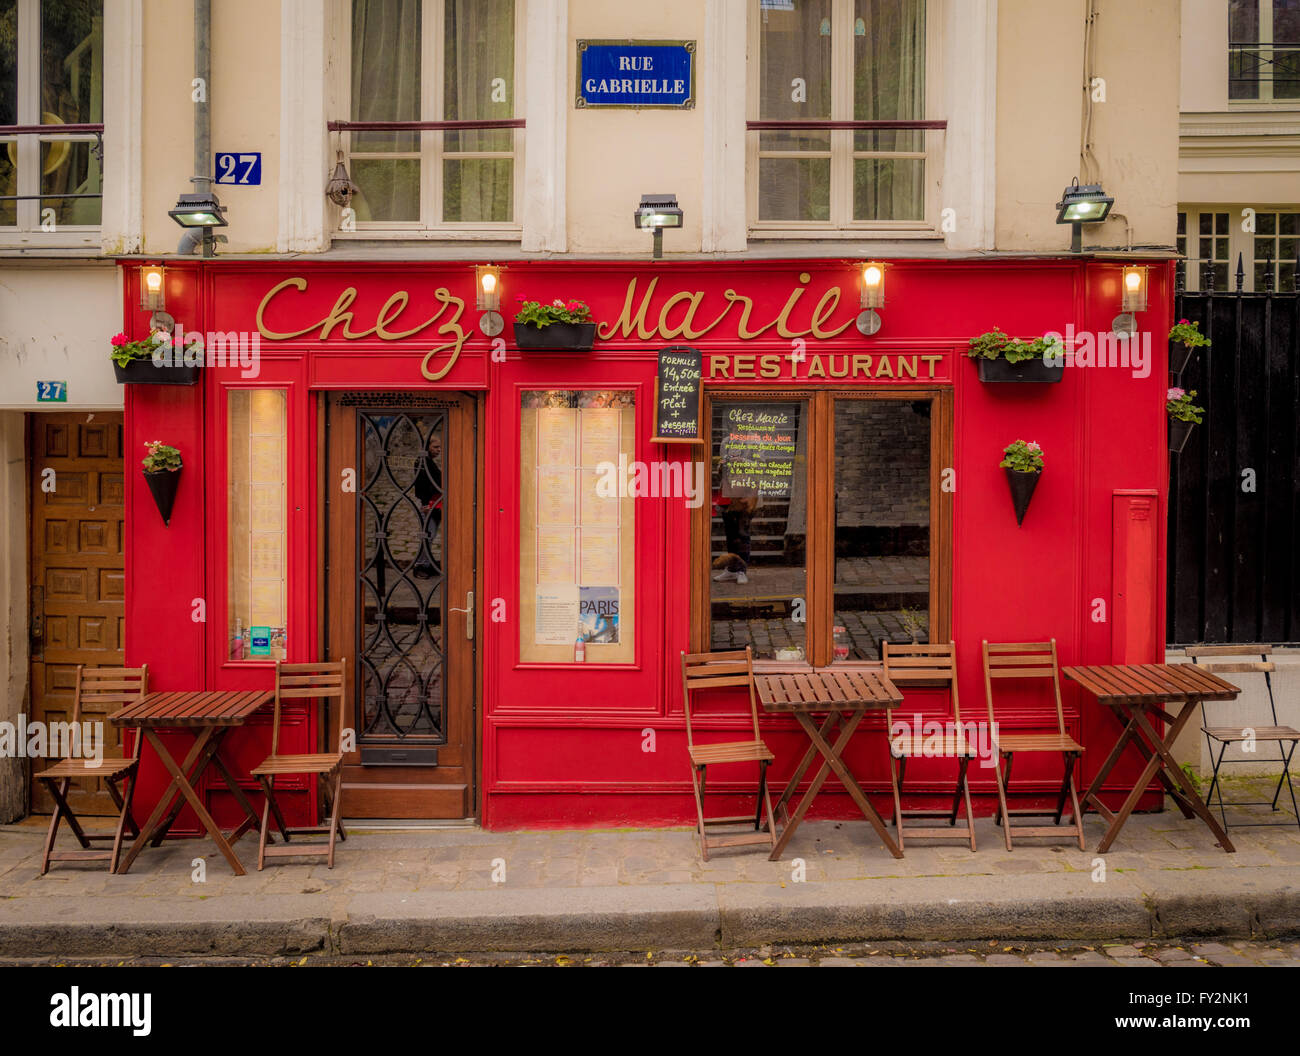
x=835, y=61
x=1264, y=50
x=51, y=74
x=433, y=60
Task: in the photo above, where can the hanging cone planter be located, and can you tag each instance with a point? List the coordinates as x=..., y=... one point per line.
x=1179, y=356
x=163, y=485
x=1022, y=490
x=1179, y=431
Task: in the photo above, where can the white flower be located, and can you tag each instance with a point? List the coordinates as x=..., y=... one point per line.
x=558, y=303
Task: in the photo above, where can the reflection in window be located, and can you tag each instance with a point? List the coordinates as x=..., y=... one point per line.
x=257, y=522
x=882, y=525
x=61, y=82
x=758, y=543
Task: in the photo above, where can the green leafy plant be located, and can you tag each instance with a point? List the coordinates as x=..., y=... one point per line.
x=125, y=352
x=1189, y=334
x=1178, y=402
x=997, y=345
x=540, y=315
x=1022, y=457
x=162, y=458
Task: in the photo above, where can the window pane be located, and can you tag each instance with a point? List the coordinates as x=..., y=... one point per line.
x=794, y=80
x=69, y=167
x=1286, y=21
x=479, y=76
x=1266, y=223
x=794, y=189
x=256, y=517
x=8, y=63
x=385, y=72
x=390, y=190
x=882, y=525
x=72, y=90
x=887, y=189
x=758, y=547
x=577, y=567
x=889, y=60
x=8, y=182
x=478, y=189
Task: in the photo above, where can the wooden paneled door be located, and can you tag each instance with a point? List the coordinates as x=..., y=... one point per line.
x=399, y=580
x=76, y=600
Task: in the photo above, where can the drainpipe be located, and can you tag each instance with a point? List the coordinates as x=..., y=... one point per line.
x=192, y=239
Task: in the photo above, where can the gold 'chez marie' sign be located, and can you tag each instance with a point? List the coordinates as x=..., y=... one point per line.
x=681, y=315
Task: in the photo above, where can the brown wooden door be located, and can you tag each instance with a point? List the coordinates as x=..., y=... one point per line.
x=77, y=606
x=399, y=510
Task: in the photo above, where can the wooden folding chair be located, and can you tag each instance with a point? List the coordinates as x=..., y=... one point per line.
x=1031, y=660
x=703, y=671
x=322, y=681
x=928, y=665
x=1285, y=737
x=97, y=686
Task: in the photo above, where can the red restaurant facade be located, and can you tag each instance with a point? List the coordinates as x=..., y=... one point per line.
x=394, y=487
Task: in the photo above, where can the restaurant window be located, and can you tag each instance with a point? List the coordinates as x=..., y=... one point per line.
x=1264, y=51
x=821, y=534
x=577, y=582
x=433, y=60
x=840, y=60
x=257, y=519
x=51, y=74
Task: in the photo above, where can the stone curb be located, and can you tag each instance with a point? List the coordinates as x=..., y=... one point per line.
x=676, y=916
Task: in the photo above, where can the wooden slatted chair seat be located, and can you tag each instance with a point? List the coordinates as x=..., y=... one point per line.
x=930, y=665
x=1037, y=742
x=731, y=669
x=1284, y=737
x=103, y=687
x=102, y=770
x=1030, y=660
x=321, y=763
x=319, y=682
x=730, y=752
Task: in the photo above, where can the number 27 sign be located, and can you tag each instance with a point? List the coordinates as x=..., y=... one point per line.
x=243, y=169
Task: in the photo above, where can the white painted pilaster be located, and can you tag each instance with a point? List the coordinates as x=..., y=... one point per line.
x=304, y=161
x=722, y=82
x=545, y=140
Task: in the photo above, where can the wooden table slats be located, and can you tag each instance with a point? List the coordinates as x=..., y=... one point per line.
x=209, y=715
x=844, y=696
x=1137, y=693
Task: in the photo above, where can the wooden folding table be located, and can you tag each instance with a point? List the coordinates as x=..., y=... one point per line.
x=844, y=696
x=209, y=715
x=1136, y=692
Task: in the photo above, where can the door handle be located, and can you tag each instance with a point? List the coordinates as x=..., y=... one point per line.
x=468, y=610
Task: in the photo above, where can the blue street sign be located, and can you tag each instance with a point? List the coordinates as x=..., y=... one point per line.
x=636, y=73
x=51, y=392
x=244, y=169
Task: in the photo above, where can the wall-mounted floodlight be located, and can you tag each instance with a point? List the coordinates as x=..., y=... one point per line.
x=656, y=212
x=1079, y=205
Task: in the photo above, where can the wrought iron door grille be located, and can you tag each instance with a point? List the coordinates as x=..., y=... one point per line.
x=400, y=596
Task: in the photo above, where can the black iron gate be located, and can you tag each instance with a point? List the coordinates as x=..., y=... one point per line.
x=1234, y=491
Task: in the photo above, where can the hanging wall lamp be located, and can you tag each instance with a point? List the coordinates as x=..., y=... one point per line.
x=487, y=294
x=153, y=296
x=873, y=297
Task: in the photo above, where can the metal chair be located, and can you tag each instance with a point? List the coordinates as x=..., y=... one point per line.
x=322, y=681
x=1031, y=660
x=1253, y=735
x=705, y=671
x=928, y=665
x=97, y=686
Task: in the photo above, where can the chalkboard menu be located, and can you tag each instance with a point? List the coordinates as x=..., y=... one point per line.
x=758, y=449
x=677, y=396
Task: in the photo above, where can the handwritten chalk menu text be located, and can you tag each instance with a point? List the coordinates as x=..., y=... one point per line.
x=677, y=406
x=758, y=449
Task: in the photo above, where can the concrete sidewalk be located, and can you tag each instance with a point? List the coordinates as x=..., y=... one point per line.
x=433, y=891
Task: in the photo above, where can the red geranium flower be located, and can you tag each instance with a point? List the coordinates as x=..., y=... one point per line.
x=119, y=340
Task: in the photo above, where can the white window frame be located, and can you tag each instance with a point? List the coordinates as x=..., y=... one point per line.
x=841, y=223
x=430, y=154
x=27, y=231
x=1266, y=42
x=1240, y=243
